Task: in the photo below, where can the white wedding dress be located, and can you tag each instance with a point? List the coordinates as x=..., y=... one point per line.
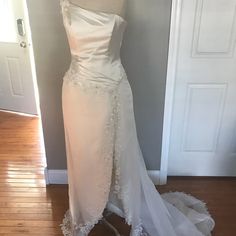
x=105, y=164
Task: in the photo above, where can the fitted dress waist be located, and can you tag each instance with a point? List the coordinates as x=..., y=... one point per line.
x=101, y=73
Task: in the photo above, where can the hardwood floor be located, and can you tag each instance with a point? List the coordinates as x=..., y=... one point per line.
x=28, y=207
x=218, y=193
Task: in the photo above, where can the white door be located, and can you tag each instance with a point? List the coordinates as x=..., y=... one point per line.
x=203, y=121
x=17, y=91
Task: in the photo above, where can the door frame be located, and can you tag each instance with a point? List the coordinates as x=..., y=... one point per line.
x=31, y=56
x=170, y=86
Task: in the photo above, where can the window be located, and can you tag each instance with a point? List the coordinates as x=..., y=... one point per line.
x=8, y=30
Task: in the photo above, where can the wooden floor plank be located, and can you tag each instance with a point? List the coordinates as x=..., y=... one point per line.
x=27, y=210
x=32, y=185
x=28, y=230
x=28, y=223
x=33, y=204
x=20, y=176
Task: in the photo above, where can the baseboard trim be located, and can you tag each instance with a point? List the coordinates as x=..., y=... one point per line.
x=60, y=176
x=55, y=176
x=155, y=176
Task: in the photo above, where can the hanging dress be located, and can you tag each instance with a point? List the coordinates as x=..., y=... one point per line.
x=104, y=161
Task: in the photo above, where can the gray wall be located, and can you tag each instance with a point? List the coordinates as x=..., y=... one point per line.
x=144, y=56
x=51, y=58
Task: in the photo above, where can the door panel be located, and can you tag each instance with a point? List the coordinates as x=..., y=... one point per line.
x=214, y=28
x=14, y=76
x=203, y=127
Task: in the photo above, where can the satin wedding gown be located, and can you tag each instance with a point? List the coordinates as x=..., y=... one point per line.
x=105, y=164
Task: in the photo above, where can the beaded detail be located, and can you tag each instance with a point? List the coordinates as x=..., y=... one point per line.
x=65, y=11
x=117, y=150
x=139, y=231
x=68, y=228
x=121, y=193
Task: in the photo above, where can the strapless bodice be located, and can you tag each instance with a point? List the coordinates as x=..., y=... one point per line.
x=95, y=39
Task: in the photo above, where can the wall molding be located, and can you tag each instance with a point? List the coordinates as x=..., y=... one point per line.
x=170, y=85
x=60, y=176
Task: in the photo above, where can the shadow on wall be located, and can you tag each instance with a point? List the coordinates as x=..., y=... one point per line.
x=51, y=59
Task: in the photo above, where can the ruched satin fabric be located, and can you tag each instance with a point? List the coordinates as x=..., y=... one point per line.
x=104, y=160
x=95, y=41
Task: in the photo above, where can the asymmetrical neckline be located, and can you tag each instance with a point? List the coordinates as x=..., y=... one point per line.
x=93, y=11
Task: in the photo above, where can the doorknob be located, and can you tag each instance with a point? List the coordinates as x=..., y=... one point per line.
x=23, y=44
